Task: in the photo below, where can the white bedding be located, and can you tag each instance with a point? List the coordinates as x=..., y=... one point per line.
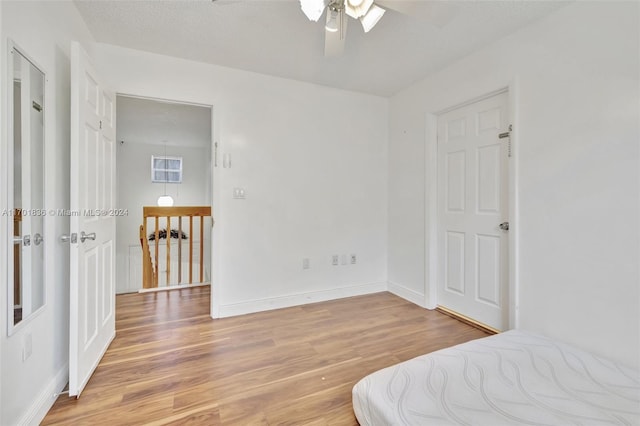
x=510, y=378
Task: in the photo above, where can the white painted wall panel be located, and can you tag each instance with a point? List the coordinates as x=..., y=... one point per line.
x=578, y=164
x=312, y=161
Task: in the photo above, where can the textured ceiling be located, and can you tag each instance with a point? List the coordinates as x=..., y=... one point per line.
x=274, y=37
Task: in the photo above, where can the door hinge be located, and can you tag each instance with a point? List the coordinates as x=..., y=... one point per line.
x=507, y=135
x=100, y=124
x=215, y=154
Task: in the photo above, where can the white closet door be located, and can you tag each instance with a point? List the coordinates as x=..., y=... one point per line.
x=472, y=203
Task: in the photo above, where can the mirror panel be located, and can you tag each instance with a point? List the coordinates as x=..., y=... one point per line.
x=26, y=89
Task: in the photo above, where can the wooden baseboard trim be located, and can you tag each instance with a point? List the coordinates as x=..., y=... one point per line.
x=467, y=320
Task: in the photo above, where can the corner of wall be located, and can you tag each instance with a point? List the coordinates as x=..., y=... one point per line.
x=46, y=398
x=407, y=294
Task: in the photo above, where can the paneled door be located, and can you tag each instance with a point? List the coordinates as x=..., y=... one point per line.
x=473, y=211
x=92, y=238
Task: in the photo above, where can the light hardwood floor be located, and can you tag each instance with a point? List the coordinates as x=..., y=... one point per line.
x=170, y=363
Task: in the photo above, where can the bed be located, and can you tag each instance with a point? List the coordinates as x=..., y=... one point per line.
x=511, y=378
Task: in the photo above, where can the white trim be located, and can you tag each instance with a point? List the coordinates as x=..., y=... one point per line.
x=172, y=287
x=267, y=304
x=47, y=220
x=47, y=397
x=163, y=100
x=216, y=230
x=473, y=100
x=406, y=293
x=431, y=202
x=431, y=213
x=4, y=172
x=514, y=207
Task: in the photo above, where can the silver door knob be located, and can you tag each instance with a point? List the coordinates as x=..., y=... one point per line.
x=37, y=239
x=84, y=236
x=504, y=226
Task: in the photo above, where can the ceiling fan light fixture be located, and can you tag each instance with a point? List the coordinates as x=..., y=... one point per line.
x=313, y=8
x=332, y=22
x=357, y=8
x=372, y=17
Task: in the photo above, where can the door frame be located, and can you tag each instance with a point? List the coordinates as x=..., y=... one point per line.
x=431, y=202
x=215, y=232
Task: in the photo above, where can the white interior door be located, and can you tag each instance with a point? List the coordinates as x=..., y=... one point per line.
x=92, y=304
x=472, y=204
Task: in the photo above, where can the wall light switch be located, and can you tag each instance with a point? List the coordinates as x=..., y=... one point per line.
x=238, y=193
x=226, y=161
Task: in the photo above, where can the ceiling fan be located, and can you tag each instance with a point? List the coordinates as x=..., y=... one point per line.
x=368, y=12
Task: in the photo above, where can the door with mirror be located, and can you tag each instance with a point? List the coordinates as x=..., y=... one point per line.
x=26, y=189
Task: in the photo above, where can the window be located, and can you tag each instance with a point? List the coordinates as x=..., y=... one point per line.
x=166, y=169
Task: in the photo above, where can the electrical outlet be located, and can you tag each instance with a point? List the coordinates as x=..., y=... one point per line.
x=334, y=260
x=27, y=346
x=343, y=259
x=353, y=259
x=305, y=263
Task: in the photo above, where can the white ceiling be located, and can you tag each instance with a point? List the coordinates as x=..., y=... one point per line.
x=274, y=37
x=157, y=122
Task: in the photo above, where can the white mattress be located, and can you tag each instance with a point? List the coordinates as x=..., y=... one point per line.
x=510, y=378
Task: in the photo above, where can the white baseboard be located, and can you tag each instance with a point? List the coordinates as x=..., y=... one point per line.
x=406, y=293
x=299, y=299
x=43, y=403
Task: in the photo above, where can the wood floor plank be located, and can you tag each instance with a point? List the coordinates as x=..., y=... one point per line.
x=171, y=364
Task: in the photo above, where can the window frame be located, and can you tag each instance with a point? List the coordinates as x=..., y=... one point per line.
x=165, y=172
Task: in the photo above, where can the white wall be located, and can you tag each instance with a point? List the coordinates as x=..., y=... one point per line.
x=576, y=76
x=44, y=30
x=313, y=163
x=136, y=190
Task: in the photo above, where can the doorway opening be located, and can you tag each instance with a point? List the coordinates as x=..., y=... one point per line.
x=164, y=194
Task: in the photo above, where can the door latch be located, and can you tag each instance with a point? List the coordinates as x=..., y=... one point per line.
x=507, y=135
x=73, y=238
x=25, y=241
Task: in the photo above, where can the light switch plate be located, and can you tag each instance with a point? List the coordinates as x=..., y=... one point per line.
x=238, y=193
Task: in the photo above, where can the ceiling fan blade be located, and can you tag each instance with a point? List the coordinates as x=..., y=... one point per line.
x=334, y=41
x=437, y=13
x=313, y=8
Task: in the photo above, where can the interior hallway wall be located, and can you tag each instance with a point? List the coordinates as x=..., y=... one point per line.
x=312, y=161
